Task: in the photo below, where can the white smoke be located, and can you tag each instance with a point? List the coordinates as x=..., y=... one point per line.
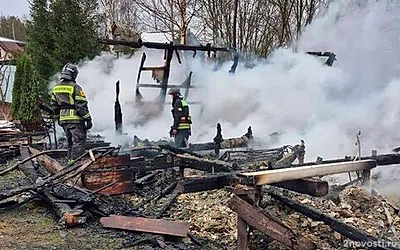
x=292, y=93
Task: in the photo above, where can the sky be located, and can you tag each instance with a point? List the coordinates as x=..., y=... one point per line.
x=14, y=8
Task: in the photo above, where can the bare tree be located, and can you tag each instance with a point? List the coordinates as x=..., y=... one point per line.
x=262, y=25
x=167, y=16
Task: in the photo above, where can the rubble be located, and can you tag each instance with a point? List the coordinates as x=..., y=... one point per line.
x=157, y=183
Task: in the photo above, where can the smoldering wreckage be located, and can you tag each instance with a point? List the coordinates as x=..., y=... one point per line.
x=221, y=194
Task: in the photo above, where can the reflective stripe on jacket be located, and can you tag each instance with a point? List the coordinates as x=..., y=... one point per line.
x=69, y=103
x=182, y=119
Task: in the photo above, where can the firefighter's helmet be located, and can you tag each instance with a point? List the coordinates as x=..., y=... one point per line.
x=69, y=72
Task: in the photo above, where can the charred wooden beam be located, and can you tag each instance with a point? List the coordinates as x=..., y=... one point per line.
x=62, y=210
x=286, y=174
x=96, y=144
x=82, y=197
x=176, y=150
x=145, y=178
x=191, y=185
x=220, y=143
x=163, y=192
x=262, y=221
x=168, y=204
x=340, y=227
x=305, y=186
x=202, y=164
x=153, y=45
x=51, y=165
x=141, y=224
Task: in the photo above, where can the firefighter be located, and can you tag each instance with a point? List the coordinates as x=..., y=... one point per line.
x=71, y=109
x=181, y=129
x=301, y=152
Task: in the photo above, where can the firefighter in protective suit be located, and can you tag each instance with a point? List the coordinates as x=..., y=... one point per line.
x=181, y=129
x=71, y=109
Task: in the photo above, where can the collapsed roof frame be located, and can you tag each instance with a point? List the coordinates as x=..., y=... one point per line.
x=163, y=77
x=331, y=56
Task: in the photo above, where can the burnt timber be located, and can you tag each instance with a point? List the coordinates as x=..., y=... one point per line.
x=338, y=226
x=262, y=221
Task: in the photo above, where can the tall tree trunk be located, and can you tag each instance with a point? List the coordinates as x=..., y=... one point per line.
x=183, y=22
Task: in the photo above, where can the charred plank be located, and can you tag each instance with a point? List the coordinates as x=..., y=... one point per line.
x=202, y=164
x=315, y=188
x=262, y=221
x=204, y=183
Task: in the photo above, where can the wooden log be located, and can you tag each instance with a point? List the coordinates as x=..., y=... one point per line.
x=204, y=183
x=315, y=188
x=340, y=227
x=141, y=224
x=266, y=224
x=286, y=174
x=207, y=165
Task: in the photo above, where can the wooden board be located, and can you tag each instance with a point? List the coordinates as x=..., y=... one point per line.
x=286, y=174
x=141, y=224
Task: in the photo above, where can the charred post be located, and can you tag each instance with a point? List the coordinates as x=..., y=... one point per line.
x=117, y=111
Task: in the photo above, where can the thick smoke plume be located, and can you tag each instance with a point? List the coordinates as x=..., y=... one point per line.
x=291, y=93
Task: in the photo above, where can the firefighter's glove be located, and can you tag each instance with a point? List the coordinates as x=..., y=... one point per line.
x=89, y=125
x=172, y=132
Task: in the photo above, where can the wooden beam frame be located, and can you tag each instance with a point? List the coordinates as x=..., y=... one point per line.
x=287, y=174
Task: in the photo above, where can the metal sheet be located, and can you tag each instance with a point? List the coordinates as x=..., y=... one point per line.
x=141, y=224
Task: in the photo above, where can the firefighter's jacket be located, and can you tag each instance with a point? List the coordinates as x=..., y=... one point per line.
x=69, y=103
x=180, y=113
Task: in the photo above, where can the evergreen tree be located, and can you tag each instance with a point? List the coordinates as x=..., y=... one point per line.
x=74, y=31
x=26, y=91
x=40, y=39
x=12, y=27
